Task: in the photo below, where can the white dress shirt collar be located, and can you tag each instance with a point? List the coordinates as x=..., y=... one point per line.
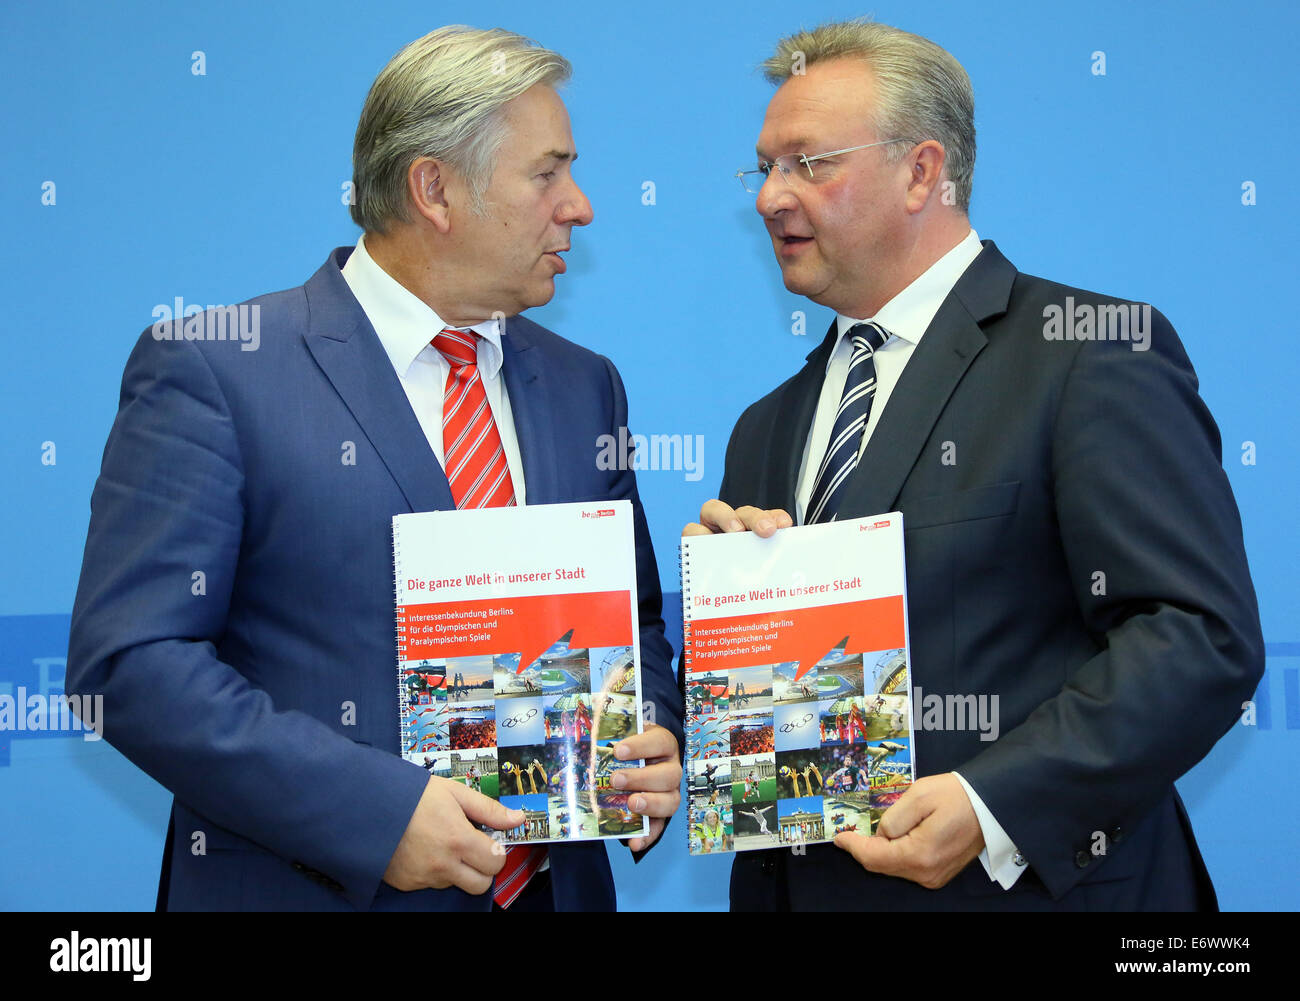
x=909, y=313
x=405, y=324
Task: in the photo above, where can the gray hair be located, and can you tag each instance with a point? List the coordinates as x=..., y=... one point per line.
x=924, y=92
x=442, y=96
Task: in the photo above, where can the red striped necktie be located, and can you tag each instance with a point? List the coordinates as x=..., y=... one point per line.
x=475, y=463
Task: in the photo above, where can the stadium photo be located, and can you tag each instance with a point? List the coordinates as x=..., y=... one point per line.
x=839, y=676
x=561, y=671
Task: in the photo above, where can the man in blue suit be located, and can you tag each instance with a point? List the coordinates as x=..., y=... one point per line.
x=236, y=598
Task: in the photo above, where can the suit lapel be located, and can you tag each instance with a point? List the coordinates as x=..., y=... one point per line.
x=794, y=423
x=345, y=346
x=951, y=343
x=529, y=388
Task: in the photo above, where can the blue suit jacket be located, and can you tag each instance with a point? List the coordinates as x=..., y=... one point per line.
x=267, y=703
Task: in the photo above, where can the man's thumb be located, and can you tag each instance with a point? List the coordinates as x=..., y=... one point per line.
x=485, y=810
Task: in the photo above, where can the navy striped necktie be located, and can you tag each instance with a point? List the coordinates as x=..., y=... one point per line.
x=850, y=423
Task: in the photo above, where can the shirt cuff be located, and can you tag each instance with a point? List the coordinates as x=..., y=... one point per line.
x=1003, y=863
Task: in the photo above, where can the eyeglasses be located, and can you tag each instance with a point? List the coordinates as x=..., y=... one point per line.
x=787, y=165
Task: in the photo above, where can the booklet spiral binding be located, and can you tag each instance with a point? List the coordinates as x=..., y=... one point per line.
x=684, y=571
x=399, y=619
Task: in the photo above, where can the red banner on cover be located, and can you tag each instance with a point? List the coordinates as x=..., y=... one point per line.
x=801, y=635
x=528, y=625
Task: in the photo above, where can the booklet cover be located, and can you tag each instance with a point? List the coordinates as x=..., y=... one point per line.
x=519, y=661
x=798, y=714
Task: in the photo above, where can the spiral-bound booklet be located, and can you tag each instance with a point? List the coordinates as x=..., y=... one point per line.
x=798, y=707
x=518, y=659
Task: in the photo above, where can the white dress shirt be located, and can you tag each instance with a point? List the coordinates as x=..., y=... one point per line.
x=406, y=327
x=905, y=317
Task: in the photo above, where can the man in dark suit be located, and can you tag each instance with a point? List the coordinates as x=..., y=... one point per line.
x=1074, y=553
x=236, y=599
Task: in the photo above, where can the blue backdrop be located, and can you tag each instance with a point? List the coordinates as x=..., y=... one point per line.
x=153, y=151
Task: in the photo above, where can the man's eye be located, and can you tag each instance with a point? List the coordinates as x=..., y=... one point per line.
x=548, y=175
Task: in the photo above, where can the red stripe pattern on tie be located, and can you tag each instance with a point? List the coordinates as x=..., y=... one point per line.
x=473, y=457
x=522, y=863
x=475, y=463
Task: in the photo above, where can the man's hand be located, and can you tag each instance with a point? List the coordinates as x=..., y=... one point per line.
x=716, y=517
x=442, y=848
x=928, y=836
x=655, y=790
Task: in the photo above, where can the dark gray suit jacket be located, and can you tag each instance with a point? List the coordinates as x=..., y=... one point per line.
x=1024, y=467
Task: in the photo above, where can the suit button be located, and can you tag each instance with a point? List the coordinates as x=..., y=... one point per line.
x=767, y=866
x=1116, y=836
x=1082, y=858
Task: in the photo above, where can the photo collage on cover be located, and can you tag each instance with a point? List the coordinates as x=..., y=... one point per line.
x=540, y=740
x=775, y=761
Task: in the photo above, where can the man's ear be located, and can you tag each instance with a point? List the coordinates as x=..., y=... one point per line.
x=926, y=166
x=426, y=185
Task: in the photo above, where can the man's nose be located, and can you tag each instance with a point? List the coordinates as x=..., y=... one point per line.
x=577, y=209
x=774, y=196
